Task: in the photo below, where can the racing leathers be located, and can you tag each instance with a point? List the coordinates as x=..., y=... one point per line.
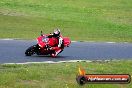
x=57, y=48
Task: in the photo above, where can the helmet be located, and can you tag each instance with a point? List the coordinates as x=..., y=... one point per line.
x=57, y=32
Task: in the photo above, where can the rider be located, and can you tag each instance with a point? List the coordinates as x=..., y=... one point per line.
x=57, y=48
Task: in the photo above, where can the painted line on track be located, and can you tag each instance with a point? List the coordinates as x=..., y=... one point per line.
x=71, y=41
x=110, y=42
x=69, y=61
x=7, y=39
x=52, y=62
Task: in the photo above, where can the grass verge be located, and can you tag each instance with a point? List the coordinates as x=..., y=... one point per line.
x=96, y=20
x=60, y=75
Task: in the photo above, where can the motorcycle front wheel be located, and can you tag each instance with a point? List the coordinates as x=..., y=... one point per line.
x=30, y=51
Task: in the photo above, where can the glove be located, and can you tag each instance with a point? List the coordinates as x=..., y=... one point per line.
x=50, y=48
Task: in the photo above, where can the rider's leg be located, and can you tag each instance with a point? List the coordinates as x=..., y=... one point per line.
x=56, y=52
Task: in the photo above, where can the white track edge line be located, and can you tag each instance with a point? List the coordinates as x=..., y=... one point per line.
x=52, y=62
x=71, y=41
x=70, y=61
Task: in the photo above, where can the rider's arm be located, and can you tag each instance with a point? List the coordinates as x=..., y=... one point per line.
x=60, y=42
x=50, y=36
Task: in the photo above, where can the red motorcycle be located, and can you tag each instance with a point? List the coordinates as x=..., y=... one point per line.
x=44, y=43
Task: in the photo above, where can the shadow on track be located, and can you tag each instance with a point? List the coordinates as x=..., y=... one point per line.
x=48, y=57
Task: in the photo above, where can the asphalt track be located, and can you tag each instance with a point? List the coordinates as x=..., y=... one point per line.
x=12, y=51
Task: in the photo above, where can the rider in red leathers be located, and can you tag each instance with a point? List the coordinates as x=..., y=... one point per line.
x=57, y=48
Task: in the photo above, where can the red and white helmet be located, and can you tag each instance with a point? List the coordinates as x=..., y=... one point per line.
x=57, y=32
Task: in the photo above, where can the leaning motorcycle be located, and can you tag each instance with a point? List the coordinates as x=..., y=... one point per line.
x=44, y=43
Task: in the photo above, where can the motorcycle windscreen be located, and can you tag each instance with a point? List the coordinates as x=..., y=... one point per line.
x=40, y=42
x=67, y=41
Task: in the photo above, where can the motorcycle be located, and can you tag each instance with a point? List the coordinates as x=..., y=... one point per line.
x=44, y=43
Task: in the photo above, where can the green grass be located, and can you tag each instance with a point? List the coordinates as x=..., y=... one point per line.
x=91, y=20
x=60, y=75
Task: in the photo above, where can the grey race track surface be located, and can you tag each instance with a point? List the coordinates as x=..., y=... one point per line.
x=12, y=51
